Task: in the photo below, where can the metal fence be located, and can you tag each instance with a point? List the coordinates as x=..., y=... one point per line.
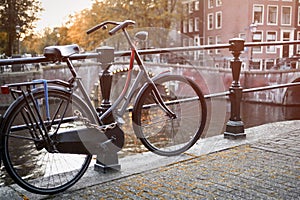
x=235, y=126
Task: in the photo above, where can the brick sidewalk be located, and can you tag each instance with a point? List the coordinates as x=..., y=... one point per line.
x=262, y=170
x=264, y=166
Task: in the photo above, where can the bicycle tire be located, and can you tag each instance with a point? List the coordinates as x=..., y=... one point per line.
x=38, y=170
x=158, y=132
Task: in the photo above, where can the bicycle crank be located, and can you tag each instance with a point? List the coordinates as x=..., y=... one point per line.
x=116, y=139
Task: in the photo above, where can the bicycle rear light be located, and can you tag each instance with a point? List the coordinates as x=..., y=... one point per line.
x=4, y=89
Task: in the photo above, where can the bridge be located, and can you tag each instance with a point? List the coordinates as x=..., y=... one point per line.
x=279, y=87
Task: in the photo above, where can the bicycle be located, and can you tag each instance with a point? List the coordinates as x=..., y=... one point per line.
x=61, y=130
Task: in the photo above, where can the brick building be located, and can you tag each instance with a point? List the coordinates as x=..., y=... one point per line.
x=217, y=21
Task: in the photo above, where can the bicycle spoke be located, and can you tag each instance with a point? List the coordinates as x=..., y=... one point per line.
x=34, y=166
x=168, y=136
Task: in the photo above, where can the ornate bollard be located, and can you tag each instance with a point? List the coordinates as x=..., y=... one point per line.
x=235, y=126
x=107, y=160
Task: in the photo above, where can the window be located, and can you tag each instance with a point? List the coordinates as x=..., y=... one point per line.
x=184, y=24
x=269, y=64
x=191, y=7
x=286, y=36
x=197, y=7
x=210, y=41
x=218, y=3
x=210, y=3
x=210, y=21
x=258, y=13
x=197, y=21
x=286, y=15
x=196, y=43
x=218, y=41
x=196, y=40
x=271, y=37
x=257, y=37
x=191, y=25
x=256, y=63
x=218, y=20
x=272, y=15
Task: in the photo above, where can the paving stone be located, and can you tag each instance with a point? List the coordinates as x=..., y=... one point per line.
x=266, y=169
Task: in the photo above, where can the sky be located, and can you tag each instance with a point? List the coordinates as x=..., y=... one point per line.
x=56, y=12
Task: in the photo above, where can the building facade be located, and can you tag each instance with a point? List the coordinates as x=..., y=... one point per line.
x=217, y=21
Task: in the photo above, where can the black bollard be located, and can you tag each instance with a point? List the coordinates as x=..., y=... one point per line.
x=107, y=160
x=235, y=126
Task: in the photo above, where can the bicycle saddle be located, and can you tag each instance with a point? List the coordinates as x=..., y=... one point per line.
x=59, y=52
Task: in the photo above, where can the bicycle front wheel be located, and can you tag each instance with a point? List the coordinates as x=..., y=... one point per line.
x=162, y=134
x=26, y=156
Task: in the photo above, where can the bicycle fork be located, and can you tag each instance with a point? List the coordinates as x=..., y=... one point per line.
x=161, y=103
x=155, y=91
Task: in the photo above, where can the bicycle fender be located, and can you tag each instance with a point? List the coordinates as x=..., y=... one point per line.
x=20, y=98
x=4, y=118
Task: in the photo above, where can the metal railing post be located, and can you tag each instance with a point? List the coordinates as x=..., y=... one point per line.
x=106, y=160
x=235, y=126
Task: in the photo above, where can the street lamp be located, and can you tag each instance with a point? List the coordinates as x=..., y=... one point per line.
x=18, y=29
x=253, y=29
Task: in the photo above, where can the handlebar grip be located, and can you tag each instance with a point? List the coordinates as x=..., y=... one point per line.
x=93, y=29
x=121, y=26
x=102, y=25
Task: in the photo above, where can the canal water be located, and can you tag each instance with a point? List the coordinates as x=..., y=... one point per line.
x=253, y=114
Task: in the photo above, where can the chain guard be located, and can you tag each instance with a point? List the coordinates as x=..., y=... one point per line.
x=89, y=141
x=116, y=135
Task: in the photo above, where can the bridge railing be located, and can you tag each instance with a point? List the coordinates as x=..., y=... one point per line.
x=235, y=125
x=82, y=56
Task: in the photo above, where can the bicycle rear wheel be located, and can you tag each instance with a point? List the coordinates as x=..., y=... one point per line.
x=26, y=157
x=158, y=132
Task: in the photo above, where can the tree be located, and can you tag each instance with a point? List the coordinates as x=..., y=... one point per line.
x=35, y=44
x=13, y=13
x=146, y=13
x=85, y=20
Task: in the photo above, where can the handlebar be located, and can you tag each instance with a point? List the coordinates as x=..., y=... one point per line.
x=121, y=26
x=118, y=26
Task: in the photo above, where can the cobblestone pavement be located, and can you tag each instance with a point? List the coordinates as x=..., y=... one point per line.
x=267, y=169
